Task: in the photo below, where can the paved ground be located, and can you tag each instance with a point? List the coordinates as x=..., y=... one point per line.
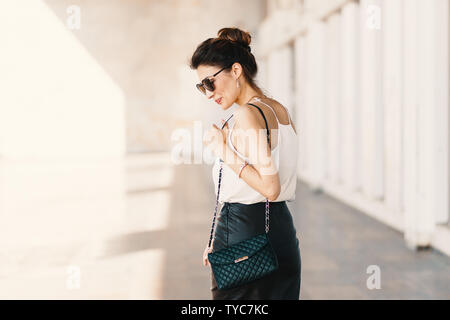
x=337, y=244
x=137, y=230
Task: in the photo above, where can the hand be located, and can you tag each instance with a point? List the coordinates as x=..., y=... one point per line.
x=216, y=140
x=205, y=256
x=224, y=131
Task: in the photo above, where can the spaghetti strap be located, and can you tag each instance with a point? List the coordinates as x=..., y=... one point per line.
x=231, y=130
x=267, y=126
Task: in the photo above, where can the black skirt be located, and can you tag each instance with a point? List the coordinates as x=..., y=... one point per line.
x=238, y=222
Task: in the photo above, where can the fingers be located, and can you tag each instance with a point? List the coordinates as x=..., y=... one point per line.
x=216, y=131
x=205, y=256
x=205, y=261
x=219, y=131
x=212, y=136
x=217, y=134
x=226, y=124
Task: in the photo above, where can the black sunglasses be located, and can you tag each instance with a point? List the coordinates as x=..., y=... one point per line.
x=208, y=82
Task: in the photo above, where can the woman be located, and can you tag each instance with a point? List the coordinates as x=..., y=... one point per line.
x=227, y=69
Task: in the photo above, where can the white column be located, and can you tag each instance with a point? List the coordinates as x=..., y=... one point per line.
x=281, y=76
x=301, y=83
x=371, y=128
x=426, y=104
x=309, y=112
x=433, y=111
x=262, y=75
x=441, y=117
x=332, y=97
x=426, y=119
x=350, y=142
x=410, y=142
x=288, y=71
x=273, y=73
x=291, y=81
x=391, y=32
x=315, y=49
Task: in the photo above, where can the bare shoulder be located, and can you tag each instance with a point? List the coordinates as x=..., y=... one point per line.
x=272, y=102
x=246, y=118
x=280, y=110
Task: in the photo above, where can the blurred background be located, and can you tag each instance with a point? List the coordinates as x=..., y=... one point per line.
x=106, y=191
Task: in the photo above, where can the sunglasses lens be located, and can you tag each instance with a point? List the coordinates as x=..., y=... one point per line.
x=201, y=88
x=208, y=84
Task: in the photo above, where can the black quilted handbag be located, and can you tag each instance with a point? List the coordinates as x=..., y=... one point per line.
x=245, y=261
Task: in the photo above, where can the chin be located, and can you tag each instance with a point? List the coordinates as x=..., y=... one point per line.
x=225, y=106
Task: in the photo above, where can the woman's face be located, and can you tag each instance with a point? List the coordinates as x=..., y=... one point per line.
x=225, y=89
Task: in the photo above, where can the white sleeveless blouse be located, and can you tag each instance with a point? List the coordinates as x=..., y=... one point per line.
x=284, y=155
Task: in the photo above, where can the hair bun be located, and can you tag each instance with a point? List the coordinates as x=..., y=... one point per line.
x=237, y=35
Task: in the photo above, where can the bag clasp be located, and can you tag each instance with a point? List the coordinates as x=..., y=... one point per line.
x=241, y=259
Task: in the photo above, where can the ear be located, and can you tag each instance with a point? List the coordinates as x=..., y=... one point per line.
x=236, y=70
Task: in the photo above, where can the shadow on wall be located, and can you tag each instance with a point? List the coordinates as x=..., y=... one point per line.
x=144, y=47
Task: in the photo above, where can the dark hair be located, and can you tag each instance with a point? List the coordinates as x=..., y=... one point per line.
x=231, y=45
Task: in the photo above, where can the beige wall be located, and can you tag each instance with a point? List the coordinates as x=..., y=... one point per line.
x=144, y=47
x=57, y=100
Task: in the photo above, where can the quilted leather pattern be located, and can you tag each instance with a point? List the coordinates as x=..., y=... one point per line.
x=243, y=262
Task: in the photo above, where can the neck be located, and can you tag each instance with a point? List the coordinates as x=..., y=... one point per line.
x=247, y=93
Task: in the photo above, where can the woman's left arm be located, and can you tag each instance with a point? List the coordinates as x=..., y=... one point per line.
x=261, y=175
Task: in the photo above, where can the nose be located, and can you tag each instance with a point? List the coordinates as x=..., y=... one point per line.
x=209, y=94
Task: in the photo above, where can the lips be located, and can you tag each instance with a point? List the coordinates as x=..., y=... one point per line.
x=218, y=101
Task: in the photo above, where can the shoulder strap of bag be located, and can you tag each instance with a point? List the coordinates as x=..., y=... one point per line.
x=220, y=180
